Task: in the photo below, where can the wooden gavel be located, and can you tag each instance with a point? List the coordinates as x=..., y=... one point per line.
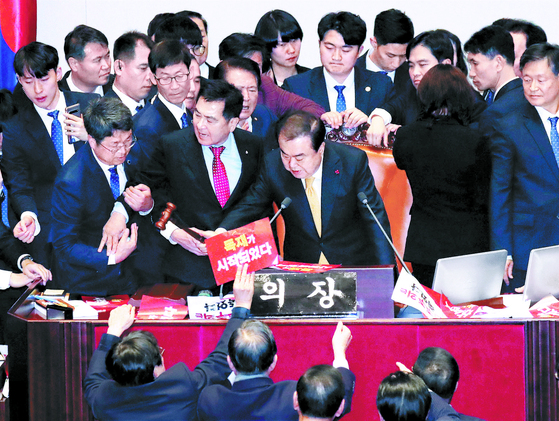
x=166, y=216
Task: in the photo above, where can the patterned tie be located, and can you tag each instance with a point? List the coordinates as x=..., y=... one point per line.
x=5, y=207
x=115, y=182
x=314, y=204
x=340, y=102
x=489, y=98
x=221, y=183
x=184, y=121
x=56, y=135
x=554, y=137
x=139, y=108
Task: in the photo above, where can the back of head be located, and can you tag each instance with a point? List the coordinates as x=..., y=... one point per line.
x=252, y=348
x=439, y=370
x=105, y=115
x=277, y=25
x=403, y=397
x=156, y=22
x=179, y=27
x=299, y=123
x=534, y=33
x=125, y=45
x=320, y=392
x=492, y=41
x=543, y=51
x=131, y=361
x=242, y=45
x=169, y=52
x=351, y=27
x=194, y=15
x=240, y=63
x=445, y=91
x=35, y=58
x=78, y=38
x=393, y=27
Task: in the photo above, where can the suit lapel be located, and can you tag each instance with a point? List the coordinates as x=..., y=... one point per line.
x=536, y=129
x=362, y=89
x=513, y=84
x=249, y=165
x=166, y=115
x=331, y=173
x=41, y=136
x=317, y=89
x=193, y=158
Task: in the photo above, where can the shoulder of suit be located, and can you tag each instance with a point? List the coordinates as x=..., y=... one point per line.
x=304, y=77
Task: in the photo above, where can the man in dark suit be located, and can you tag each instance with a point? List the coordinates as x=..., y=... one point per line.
x=325, y=222
x=524, y=199
x=346, y=92
x=169, y=62
x=133, y=77
x=82, y=202
x=201, y=54
x=244, y=75
x=204, y=170
x=393, y=31
x=87, y=53
x=37, y=142
x=254, y=395
x=127, y=378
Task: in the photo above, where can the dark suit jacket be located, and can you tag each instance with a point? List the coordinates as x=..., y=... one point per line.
x=448, y=167
x=263, y=126
x=524, y=206
x=30, y=165
x=63, y=83
x=402, y=81
x=110, y=93
x=371, y=89
x=82, y=202
x=509, y=98
x=150, y=125
x=350, y=235
x=440, y=410
x=258, y=399
x=177, y=173
x=171, y=396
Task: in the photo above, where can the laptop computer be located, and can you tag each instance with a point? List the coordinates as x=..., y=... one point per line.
x=471, y=277
x=542, y=276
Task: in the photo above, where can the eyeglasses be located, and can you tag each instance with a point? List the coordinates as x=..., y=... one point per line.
x=167, y=80
x=127, y=146
x=197, y=50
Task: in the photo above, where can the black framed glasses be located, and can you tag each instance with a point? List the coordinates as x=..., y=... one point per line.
x=167, y=80
x=127, y=146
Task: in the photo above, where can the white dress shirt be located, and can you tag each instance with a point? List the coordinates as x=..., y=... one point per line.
x=349, y=91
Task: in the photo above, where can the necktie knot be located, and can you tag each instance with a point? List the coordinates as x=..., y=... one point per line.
x=553, y=121
x=54, y=114
x=139, y=108
x=184, y=120
x=490, y=97
x=339, y=88
x=308, y=182
x=217, y=151
x=112, y=170
x=340, y=101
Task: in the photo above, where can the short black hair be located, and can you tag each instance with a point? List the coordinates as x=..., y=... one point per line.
x=156, y=21
x=393, y=27
x=320, y=391
x=169, y=52
x=403, y=396
x=190, y=14
x=242, y=45
x=534, y=33
x=131, y=361
x=351, y=27
x=457, y=49
x=278, y=24
x=439, y=370
x=252, y=347
x=219, y=90
x=104, y=116
x=181, y=28
x=299, y=123
x=36, y=58
x=544, y=51
x=242, y=63
x=76, y=41
x=125, y=45
x=435, y=41
x=492, y=41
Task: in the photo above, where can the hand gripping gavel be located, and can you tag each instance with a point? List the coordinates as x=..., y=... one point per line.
x=166, y=216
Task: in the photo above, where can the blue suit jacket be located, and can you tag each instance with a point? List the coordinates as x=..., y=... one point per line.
x=350, y=235
x=259, y=399
x=371, y=89
x=509, y=98
x=263, y=121
x=402, y=81
x=524, y=200
x=82, y=202
x=30, y=165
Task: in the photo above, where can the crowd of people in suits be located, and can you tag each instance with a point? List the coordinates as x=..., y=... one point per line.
x=91, y=158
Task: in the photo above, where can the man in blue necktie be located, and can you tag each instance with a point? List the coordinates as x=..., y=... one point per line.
x=524, y=199
x=347, y=93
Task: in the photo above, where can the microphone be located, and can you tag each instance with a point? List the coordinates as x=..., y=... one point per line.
x=363, y=199
x=286, y=202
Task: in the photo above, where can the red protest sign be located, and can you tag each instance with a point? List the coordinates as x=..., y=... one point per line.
x=252, y=244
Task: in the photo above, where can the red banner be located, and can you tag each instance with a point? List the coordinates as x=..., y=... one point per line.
x=252, y=244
